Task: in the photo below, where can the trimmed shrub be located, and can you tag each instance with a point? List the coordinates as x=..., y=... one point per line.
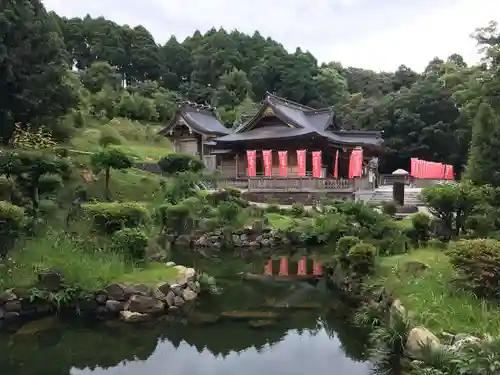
x=131, y=242
x=110, y=217
x=436, y=243
x=298, y=210
x=49, y=184
x=178, y=163
x=273, y=209
x=11, y=218
x=421, y=227
x=478, y=265
x=345, y=243
x=361, y=258
x=233, y=192
x=6, y=187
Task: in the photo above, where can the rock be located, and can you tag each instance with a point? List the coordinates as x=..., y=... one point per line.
x=194, y=286
x=7, y=296
x=397, y=311
x=254, y=244
x=11, y=315
x=249, y=315
x=134, y=317
x=144, y=305
x=415, y=267
x=244, y=238
x=170, y=264
x=161, y=290
x=87, y=304
x=114, y=306
x=188, y=295
x=122, y=292
x=173, y=310
x=50, y=281
x=101, y=298
x=419, y=337
x=12, y=306
x=190, y=274
x=177, y=289
x=463, y=342
x=180, y=269
x=178, y=301
x=41, y=325
x=170, y=299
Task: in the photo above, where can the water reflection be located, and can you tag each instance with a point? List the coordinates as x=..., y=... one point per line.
x=307, y=338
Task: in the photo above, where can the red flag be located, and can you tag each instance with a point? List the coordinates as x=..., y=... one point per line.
x=301, y=163
x=252, y=169
x=316, y=164
x=414, y=167
x=356, y=163
x=267, y=156
x=336, y=167
x=449, y=175
x=283, y=163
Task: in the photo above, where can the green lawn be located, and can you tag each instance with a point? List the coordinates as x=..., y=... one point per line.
x=432, y=299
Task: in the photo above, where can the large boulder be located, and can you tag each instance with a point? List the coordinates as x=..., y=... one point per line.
x=188, y=295
x=122, y=292
x=144, y=305
x=418, y=338
x=161, y=290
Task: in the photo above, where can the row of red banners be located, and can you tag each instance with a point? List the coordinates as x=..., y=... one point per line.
x=355, y=163
x=429, y=169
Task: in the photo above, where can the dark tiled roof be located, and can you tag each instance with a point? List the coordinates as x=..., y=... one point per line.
x=305, y=121
x=200, y=120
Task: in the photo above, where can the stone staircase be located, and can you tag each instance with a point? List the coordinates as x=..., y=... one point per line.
x=384, y=194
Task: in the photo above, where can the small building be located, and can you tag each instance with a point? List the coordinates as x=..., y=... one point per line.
x=279, y=125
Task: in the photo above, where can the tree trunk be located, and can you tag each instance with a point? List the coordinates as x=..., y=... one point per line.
x=107, y=194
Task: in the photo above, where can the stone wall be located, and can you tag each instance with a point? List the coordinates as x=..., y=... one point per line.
x=287, y=198
x=132, y=303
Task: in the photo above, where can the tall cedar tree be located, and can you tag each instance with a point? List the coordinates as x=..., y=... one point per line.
x=32, y=67
x=484, y=162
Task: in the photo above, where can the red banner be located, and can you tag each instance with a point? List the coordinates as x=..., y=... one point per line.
x=336, y=167
x=316, y=164
x=356, y=163
x=267, y=157
x=301, y=163
x=283, y=156
x=251, y=160
x=449, y=175
x=414, y=167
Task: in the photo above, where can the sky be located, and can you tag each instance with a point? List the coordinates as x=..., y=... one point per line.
x=370, y=34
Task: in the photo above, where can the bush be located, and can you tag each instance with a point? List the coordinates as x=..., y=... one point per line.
x=345, y=243
x=111, y=217
x=389, y=208
x=131, y=242
x=298, y=210
x=273, y=209
x=178, y=163
x=233, y=192
x=436, y=243
x=49, y=184
x=12, y=219
x=361, y=258
x=421, y=223
x=478, y=265
x=6, y=186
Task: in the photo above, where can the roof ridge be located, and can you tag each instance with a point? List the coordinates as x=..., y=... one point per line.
x=198, y=108
x=290, y=102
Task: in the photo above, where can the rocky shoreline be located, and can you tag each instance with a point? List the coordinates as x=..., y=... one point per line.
x=131, y=303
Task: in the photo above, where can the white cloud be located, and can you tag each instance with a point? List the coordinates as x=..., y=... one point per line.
x=375, y=34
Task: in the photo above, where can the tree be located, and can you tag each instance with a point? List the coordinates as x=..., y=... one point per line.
x=32, y=57
x=101, y=75
x=178, y=163
x=484, y=163
x=108, y=159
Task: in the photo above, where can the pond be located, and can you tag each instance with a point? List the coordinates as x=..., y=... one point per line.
x=307, y=336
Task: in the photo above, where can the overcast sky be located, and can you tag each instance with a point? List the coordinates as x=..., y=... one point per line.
x=372, y=34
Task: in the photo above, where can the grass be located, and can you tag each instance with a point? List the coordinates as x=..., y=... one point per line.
x=282, y=222
x=83, y=264
x=139, y=140
x=431, y=298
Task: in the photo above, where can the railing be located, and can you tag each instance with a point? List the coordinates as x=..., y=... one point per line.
x=240, y=183
x=299, y=184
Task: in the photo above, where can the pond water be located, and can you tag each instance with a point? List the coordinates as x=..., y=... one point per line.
x=307, y=337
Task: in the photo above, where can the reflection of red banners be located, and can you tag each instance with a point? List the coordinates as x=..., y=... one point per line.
x=356, y=163
x=268, y=162
x=336, y=167
x=251, y=160
x=283, y=162
x=316, y=164
x=301, y=163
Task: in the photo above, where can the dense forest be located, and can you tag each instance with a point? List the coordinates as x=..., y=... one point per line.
x=119, y=70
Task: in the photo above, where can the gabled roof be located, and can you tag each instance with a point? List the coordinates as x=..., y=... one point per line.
x=199, y=119
x=304, y=121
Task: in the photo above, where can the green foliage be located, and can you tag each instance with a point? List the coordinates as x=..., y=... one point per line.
x=175, y=219
x=6, y=186
x=361, y=258
x=298, y=210
x=12, y=218
x=178, y=163
x=478, y=264
x=131, y=242
x=108, y=159
x=436, y=243
x=421, y=225
x=111, y=217
x=228, y=213
x=345, y=243
x=273, y=209
x=389, y=208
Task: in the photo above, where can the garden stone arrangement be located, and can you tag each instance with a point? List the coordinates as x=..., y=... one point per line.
x=131, y=303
